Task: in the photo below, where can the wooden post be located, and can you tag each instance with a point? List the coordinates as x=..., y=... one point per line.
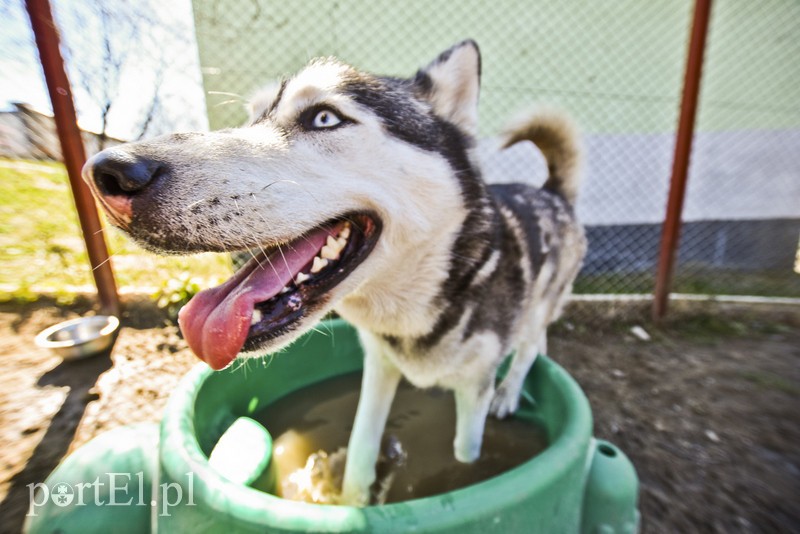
x=69, y=134
x=670, y=233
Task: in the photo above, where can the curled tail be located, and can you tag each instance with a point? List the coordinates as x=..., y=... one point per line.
x=557, y=137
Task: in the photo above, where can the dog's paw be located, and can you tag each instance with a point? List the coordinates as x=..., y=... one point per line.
x=505, y=402
x=356, y=489
x=354, y=497
x=467, y=455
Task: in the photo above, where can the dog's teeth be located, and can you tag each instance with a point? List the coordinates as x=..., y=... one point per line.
x=256, y=317
x=332, y=248
x=330, y=253
x=318, y=264
x=300, y=278
x=336, y=244
x=345, y=233
x=286, y=289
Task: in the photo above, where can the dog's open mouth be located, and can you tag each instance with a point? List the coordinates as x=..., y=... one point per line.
x=268, y=295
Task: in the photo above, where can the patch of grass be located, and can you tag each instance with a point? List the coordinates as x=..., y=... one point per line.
x=695, y=279
x=615, y=283
x=770, y=381
x=708, y=322
x=702, y=280
x=41, y=248
x=175, y=293
x=708, y=326
x=702, y=322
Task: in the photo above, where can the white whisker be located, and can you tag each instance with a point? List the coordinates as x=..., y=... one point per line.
x=225, y=93
x=226, y=102
x=304, y=188
x=104, y=261
x=318, y=331
x=284, y=259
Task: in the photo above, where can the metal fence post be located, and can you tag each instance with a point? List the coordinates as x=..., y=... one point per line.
x=69, y=134
x=670, y=233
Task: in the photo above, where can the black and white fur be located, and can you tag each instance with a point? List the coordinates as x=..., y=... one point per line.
x=463, y=274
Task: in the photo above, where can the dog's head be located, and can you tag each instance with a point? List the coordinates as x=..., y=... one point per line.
x=340, y=179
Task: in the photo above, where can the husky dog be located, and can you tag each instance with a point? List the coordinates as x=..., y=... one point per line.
x=363, y=194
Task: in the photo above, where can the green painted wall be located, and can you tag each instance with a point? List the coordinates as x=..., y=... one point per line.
x=616, y=65
x=752, y=69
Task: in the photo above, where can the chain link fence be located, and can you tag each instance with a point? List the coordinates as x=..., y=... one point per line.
x=742, y=211
x=145, y=68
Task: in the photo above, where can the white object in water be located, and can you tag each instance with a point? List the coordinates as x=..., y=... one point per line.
x=243, y=452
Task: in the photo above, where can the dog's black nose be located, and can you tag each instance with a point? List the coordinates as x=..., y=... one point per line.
x=117, y=172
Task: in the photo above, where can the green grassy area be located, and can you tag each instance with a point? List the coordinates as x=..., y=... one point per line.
x=695, y=279
x=41, y=251
x=41, y=248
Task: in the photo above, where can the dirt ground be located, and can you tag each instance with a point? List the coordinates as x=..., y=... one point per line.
x=707, y=409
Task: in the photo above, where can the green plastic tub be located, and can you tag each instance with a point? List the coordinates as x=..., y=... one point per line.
x=577, y=484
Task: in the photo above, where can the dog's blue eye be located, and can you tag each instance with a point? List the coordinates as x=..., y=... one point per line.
x=325, y=119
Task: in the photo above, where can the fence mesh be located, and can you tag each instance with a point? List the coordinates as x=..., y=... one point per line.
x=742, y=213
x=146, y=68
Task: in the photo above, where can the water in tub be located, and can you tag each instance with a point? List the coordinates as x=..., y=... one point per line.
x=311, y=427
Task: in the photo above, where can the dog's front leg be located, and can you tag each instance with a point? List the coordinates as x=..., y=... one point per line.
x=472, y=407
x=378, y=386
x=506, y=400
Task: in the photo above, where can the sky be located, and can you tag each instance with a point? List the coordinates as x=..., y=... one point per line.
x=22, y=79
x=165, y=43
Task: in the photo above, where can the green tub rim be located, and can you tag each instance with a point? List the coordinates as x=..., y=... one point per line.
x=181, y=454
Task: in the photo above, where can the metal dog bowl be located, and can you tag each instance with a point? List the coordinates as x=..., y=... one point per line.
x=79, y=338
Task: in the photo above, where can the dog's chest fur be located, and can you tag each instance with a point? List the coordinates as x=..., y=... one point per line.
x=520, y=240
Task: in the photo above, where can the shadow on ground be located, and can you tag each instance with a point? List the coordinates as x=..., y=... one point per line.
x=80, y=377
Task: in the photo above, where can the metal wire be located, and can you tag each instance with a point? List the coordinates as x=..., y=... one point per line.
x=615, y=66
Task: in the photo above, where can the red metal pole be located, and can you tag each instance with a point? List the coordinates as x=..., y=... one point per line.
x=69, y=134
x=670, y=233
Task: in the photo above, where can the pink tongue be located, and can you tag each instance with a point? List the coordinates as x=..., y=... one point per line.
x=216, y=321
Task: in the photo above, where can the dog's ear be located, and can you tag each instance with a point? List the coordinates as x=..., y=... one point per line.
x=262, y=100
x=451, y=83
